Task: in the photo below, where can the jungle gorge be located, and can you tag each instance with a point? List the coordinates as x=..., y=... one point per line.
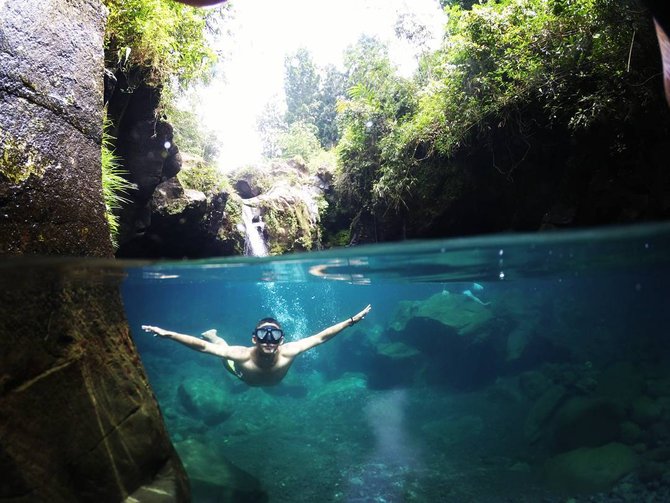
x=531, y=115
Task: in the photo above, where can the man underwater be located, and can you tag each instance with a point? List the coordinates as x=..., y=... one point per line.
x=268, y=360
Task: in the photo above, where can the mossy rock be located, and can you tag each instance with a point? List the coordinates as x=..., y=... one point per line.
x=204, y=400
x=542, y=411
x=454, y=310
x=397, y=350
x=646, y=411
x=621, y=382
x=590, y=469
x=587, y=422
x=214, y=478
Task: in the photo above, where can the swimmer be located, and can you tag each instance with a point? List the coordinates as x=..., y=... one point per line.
x=268, y=360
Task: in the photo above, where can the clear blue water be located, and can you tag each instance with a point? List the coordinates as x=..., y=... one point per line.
x=553, y=382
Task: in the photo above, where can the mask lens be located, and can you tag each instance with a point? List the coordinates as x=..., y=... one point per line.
x=268, y=334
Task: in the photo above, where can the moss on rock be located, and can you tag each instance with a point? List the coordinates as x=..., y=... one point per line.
x=19, y=161
x=590, y=469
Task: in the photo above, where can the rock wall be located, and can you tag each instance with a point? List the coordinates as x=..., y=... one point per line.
x=78, y=420
x=51, y=71
x=144, y=144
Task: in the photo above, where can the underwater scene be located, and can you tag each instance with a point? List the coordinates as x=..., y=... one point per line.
x=522, y=368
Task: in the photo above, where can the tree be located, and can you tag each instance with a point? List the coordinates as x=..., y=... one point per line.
x=379, y=100
x=271, y=124
x=301, y=86
x=332, y=89
x=299, y=141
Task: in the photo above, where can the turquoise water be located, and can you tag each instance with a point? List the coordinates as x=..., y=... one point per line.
x=507, y=368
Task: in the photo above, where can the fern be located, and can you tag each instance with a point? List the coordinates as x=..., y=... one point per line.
x=114, y=184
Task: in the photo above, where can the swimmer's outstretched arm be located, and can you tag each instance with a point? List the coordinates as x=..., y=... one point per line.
x=235, y=353
x=297, y=347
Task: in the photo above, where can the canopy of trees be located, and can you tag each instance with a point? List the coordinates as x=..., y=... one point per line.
x=512, y=116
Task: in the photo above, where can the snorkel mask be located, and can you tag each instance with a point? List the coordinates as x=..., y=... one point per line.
x=268, y=334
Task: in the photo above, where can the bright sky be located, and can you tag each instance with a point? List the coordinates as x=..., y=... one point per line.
x=263, y=32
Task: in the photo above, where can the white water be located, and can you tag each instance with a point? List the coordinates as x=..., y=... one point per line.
x=254, y=243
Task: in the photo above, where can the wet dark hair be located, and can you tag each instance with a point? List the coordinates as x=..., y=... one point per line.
x=268, y=320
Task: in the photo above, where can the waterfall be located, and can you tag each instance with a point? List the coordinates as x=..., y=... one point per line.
x=254, y=242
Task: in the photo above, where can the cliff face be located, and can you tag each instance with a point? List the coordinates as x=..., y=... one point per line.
x=50, y=128
x=78, y=421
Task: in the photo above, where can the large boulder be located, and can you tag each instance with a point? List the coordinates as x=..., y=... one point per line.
x=51, y=67
x=215, y=478
x=185, y=223
x=204, y=400
x=78, y=420
x=590, y=469
x=454, y=310
x=287, y=199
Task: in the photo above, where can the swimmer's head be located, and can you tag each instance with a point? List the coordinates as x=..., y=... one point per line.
x=268, y=335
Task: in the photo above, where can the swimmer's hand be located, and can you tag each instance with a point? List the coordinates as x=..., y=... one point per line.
x=154, y=330
x=358, y=317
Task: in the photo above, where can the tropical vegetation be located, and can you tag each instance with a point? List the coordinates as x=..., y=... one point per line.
x=514, y=86
x=115, y=187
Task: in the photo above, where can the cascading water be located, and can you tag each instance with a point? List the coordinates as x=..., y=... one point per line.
x=254, y=242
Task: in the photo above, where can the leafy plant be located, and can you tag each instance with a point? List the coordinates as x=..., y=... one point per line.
x=166, y=39
x=114, y=183
x=204, y=177
x=300, y=140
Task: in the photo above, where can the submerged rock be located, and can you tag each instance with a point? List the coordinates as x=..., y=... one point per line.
x=215, y=478
x=587, y=422
x=590, y=469
x=204, y=400
x=78, y=420
x=542, y=411
x=456, y=311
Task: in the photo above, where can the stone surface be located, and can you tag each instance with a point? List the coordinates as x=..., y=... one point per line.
x=542, y=411
x=184, y=223
x=144, y=143
x=214, y=478
x=204, y=400
x=453, y=310
x=590, y=469
x=78, y=420
x=586, y=422
x=51, y=86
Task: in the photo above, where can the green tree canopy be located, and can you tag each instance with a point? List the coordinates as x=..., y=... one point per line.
x=301, y=87
x=164, y=38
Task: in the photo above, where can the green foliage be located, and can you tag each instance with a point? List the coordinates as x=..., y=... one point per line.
x=270, y=126
x=311, y=96
x=204, y=177
x=379, y=102
x=300, y=140
x=570, y=56
x=550, y=63
x=301, y=87
x=165, y=38
x=190, y=135
x=114, y=183
x=323, y=161
x=333, y=88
